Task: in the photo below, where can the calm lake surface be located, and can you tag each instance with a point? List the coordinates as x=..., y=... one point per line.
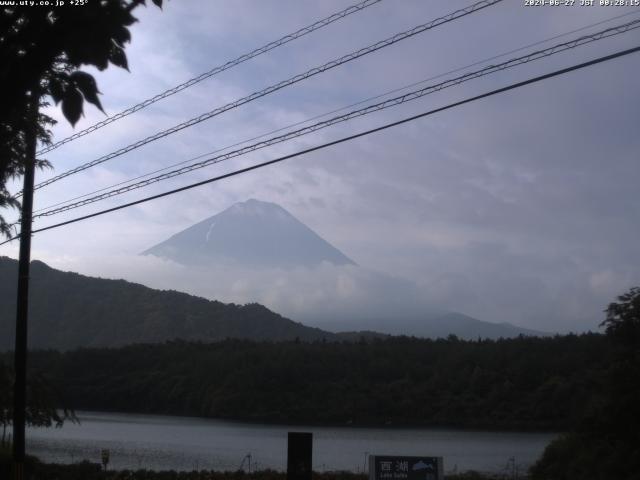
x=187, y=443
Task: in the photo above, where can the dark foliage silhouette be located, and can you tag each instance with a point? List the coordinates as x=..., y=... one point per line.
x=42, y=49
x=606, y=443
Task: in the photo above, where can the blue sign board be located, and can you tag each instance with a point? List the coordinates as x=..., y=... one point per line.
x=386, y=467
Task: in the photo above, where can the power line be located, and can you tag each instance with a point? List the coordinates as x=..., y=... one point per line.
x=278, y=86
x=513, y=86
x=214, y=71
x=355, y=113
x=315, y=117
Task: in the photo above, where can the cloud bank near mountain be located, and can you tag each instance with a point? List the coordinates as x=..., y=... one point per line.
x=312, y=295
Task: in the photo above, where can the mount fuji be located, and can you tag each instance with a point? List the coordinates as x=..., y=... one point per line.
x=256, y=251
x=251, y=233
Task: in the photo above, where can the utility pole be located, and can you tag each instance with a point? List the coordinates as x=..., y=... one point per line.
x=22, y=306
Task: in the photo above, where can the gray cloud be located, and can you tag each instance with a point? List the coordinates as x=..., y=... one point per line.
x=341, y=295
x=519, y=208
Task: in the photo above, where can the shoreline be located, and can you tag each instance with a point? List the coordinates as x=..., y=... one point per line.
x=94, y=471
x=334, y=425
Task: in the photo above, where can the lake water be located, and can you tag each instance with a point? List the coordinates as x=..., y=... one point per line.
x=187, y=443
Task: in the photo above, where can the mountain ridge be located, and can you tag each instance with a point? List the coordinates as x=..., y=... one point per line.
x=439, y=325
x=68, y=310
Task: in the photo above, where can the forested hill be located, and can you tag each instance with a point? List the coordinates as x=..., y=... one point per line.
x=523, y=383
x=68, y=310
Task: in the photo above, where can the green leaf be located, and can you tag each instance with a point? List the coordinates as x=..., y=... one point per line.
x=157, y=3
x=118, y=57
x=87, y=85
x=72, y=105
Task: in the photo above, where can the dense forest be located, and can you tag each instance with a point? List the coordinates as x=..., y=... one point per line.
x=523, y=383
x=605, y=444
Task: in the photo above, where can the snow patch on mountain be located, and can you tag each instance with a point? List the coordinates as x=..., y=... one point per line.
x=213, y=224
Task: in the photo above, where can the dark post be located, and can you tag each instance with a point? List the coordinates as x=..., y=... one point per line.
x=299, y=456
x=20, y=359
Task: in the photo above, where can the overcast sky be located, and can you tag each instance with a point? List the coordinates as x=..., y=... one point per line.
x=522, y=208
